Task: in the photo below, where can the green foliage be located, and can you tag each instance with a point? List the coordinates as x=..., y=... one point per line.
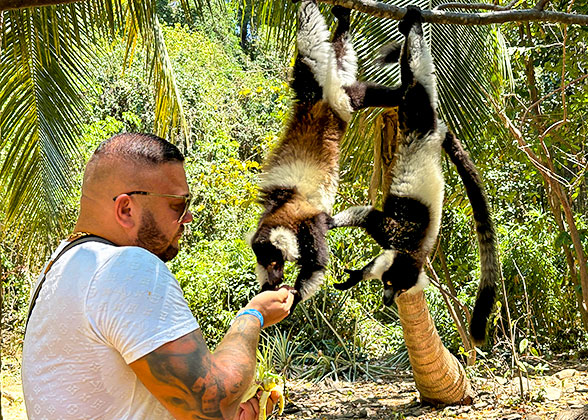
x=44, y=82
x=16, y=282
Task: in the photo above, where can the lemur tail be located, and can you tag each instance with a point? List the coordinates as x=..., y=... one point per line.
x=490, y=265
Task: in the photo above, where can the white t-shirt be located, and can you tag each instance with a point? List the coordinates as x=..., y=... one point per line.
x=101, y=307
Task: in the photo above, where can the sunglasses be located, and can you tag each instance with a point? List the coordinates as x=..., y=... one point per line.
x=187, y=199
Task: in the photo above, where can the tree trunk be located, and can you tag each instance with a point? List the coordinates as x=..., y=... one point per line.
x=574, y=414
x=438, y=375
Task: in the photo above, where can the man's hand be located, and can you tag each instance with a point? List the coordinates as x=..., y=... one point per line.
x=249, y=410
x=273, y=305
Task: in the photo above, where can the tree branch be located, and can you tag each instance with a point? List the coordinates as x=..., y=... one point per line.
x=471, y=6
x=541, y=4
x=500, y=14
x=22, y=4
x=382, y=10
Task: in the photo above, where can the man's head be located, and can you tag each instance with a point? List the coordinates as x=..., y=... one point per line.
x=135, y=193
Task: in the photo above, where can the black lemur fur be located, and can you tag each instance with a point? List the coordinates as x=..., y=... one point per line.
x=487, y=242
x=301, y=175
x=408, y=225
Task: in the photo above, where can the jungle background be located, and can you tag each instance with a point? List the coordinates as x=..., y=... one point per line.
x=213, y=78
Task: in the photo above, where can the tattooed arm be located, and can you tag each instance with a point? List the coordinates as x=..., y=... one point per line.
x=191, y=382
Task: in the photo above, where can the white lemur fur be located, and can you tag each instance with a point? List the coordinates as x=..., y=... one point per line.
x=408, y=226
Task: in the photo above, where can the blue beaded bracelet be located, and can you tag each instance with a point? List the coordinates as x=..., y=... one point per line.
x=253, y=312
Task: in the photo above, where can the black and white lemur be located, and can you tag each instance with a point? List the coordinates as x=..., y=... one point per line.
x=300, y=177
x=408, y=225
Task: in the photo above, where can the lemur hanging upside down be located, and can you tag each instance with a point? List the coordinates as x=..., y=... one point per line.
x=408, y=225
x=300, y=177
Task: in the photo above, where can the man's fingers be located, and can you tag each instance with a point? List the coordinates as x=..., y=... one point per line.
x=275, y=396
x=269, y=405
x=249, y=410
x=286, y=294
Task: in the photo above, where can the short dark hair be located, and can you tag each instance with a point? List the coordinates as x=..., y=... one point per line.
x=140, y=148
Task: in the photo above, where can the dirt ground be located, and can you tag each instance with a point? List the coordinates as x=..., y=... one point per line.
x=397, y=398
x=564, y=387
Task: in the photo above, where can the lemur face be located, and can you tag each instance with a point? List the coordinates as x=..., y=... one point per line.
x=270, y=264
x=388, y=293
x=272, y=250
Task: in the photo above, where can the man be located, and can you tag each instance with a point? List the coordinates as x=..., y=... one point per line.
x=110, y=335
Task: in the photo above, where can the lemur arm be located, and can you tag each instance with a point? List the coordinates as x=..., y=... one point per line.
x=372, y=270
x=353, y=216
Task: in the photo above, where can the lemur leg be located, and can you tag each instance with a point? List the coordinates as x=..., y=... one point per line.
x=361, y=94
x=372, y=95
x=418, y=113
x=367, y=217
x=314, y=48
x=401, y=225
x=344, y=53
x=353, y=216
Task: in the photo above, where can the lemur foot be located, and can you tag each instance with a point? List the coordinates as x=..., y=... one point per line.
x=341, y=13
x=412, y=16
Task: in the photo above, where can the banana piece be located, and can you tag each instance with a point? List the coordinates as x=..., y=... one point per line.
x=251, y=391
x=263, y=404
x=281, y=400
x=266, y=387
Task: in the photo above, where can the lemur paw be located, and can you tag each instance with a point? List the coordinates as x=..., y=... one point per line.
x=412, y=16
x=295, y=302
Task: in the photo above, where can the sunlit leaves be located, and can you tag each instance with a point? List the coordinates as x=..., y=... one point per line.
x=42, y=80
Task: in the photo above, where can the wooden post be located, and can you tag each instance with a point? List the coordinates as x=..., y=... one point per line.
x=439, y=376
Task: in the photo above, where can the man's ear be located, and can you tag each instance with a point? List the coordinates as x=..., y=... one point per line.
x=125, y=212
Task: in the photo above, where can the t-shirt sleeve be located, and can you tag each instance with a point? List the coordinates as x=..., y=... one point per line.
x=136, y=305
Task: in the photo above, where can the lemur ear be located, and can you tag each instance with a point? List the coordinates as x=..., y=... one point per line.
x=249, y=237
x=285, y=240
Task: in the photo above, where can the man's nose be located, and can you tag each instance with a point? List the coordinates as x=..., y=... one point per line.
x=188, y=217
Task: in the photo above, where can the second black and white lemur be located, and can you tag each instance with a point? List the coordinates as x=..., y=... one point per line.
x=408, y=225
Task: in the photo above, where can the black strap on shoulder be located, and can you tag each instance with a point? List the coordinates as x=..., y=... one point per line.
x=75, y=242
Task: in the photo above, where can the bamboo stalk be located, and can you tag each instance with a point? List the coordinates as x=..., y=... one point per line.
x=438, y=375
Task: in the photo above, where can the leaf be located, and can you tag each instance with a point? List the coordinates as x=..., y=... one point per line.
x=562, y=239
x=523, y=345
x=42, y=81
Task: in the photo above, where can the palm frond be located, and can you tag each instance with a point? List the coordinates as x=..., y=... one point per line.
x=44, y=75
x=169, y=112
x=41, y=102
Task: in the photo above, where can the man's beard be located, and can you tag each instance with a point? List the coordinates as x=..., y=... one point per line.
x=151, y=238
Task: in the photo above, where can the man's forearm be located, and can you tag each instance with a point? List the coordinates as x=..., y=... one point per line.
x=192, y=382
x=236, y=355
